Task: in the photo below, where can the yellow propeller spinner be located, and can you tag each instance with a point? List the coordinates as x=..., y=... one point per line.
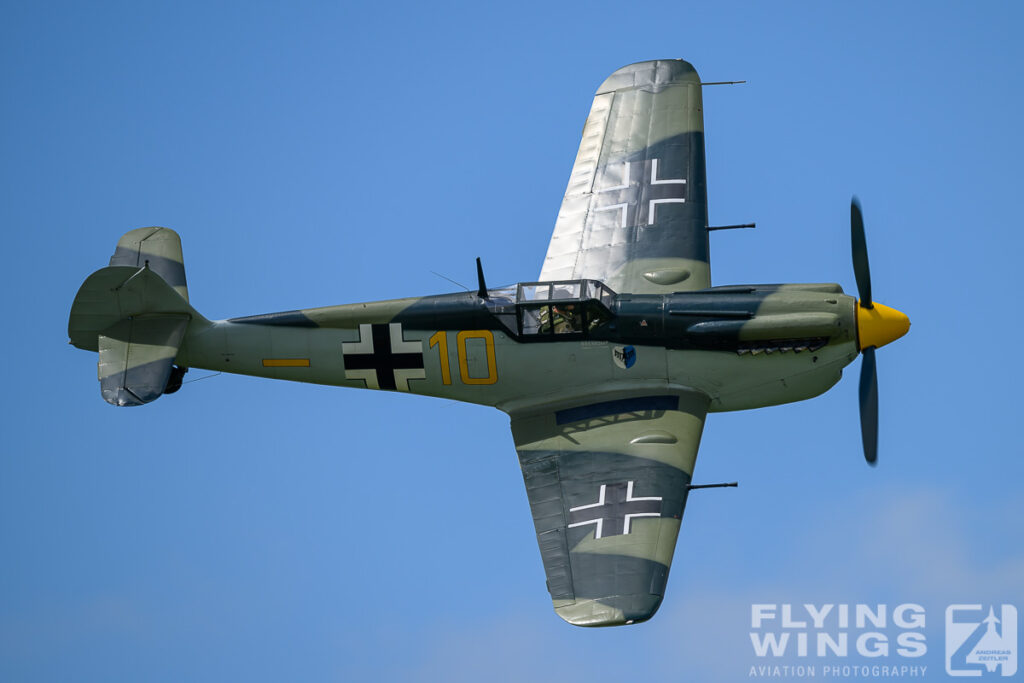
x=879, y=325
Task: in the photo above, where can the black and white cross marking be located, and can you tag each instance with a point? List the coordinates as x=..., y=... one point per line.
x=383, y=358
x=615, y=509
x=638, y=193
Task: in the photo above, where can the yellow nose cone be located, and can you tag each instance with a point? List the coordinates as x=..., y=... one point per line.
x=879, y=325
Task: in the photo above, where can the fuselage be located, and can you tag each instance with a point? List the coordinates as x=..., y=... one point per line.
x=542, y=343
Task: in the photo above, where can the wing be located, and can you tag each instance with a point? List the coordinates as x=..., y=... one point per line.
x=607, y=483
x=635, y=212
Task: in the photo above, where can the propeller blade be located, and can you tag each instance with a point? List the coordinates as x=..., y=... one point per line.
x=869, y=404
x=859, y=247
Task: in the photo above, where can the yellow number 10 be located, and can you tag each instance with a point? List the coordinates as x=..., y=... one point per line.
x=440, y=339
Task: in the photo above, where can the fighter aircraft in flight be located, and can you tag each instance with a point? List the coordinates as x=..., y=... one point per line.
x=607, y=365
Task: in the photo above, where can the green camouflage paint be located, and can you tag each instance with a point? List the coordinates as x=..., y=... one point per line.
x=607, y=406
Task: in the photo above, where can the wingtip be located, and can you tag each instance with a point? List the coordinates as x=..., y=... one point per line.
x=653, y=74
x=593, y=613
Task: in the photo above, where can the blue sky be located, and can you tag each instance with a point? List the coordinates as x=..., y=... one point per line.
x=319, y=153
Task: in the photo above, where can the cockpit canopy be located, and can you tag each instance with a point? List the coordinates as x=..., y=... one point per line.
x=537, y=310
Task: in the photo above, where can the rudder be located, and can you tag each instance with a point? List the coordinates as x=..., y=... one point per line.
x=135, y=313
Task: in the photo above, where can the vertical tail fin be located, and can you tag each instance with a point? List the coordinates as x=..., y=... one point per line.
x=135, y=313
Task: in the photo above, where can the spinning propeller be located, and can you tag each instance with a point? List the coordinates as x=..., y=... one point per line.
x=877, y=325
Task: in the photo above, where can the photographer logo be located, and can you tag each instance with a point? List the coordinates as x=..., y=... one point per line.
x=981, y=640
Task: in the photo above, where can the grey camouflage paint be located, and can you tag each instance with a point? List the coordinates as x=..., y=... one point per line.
x=644, y=113
x=582, y=423
x=609, y=579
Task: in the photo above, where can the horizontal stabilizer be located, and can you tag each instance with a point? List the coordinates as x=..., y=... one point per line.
x=137, y=356
x=157, y=248
x=135, y=314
